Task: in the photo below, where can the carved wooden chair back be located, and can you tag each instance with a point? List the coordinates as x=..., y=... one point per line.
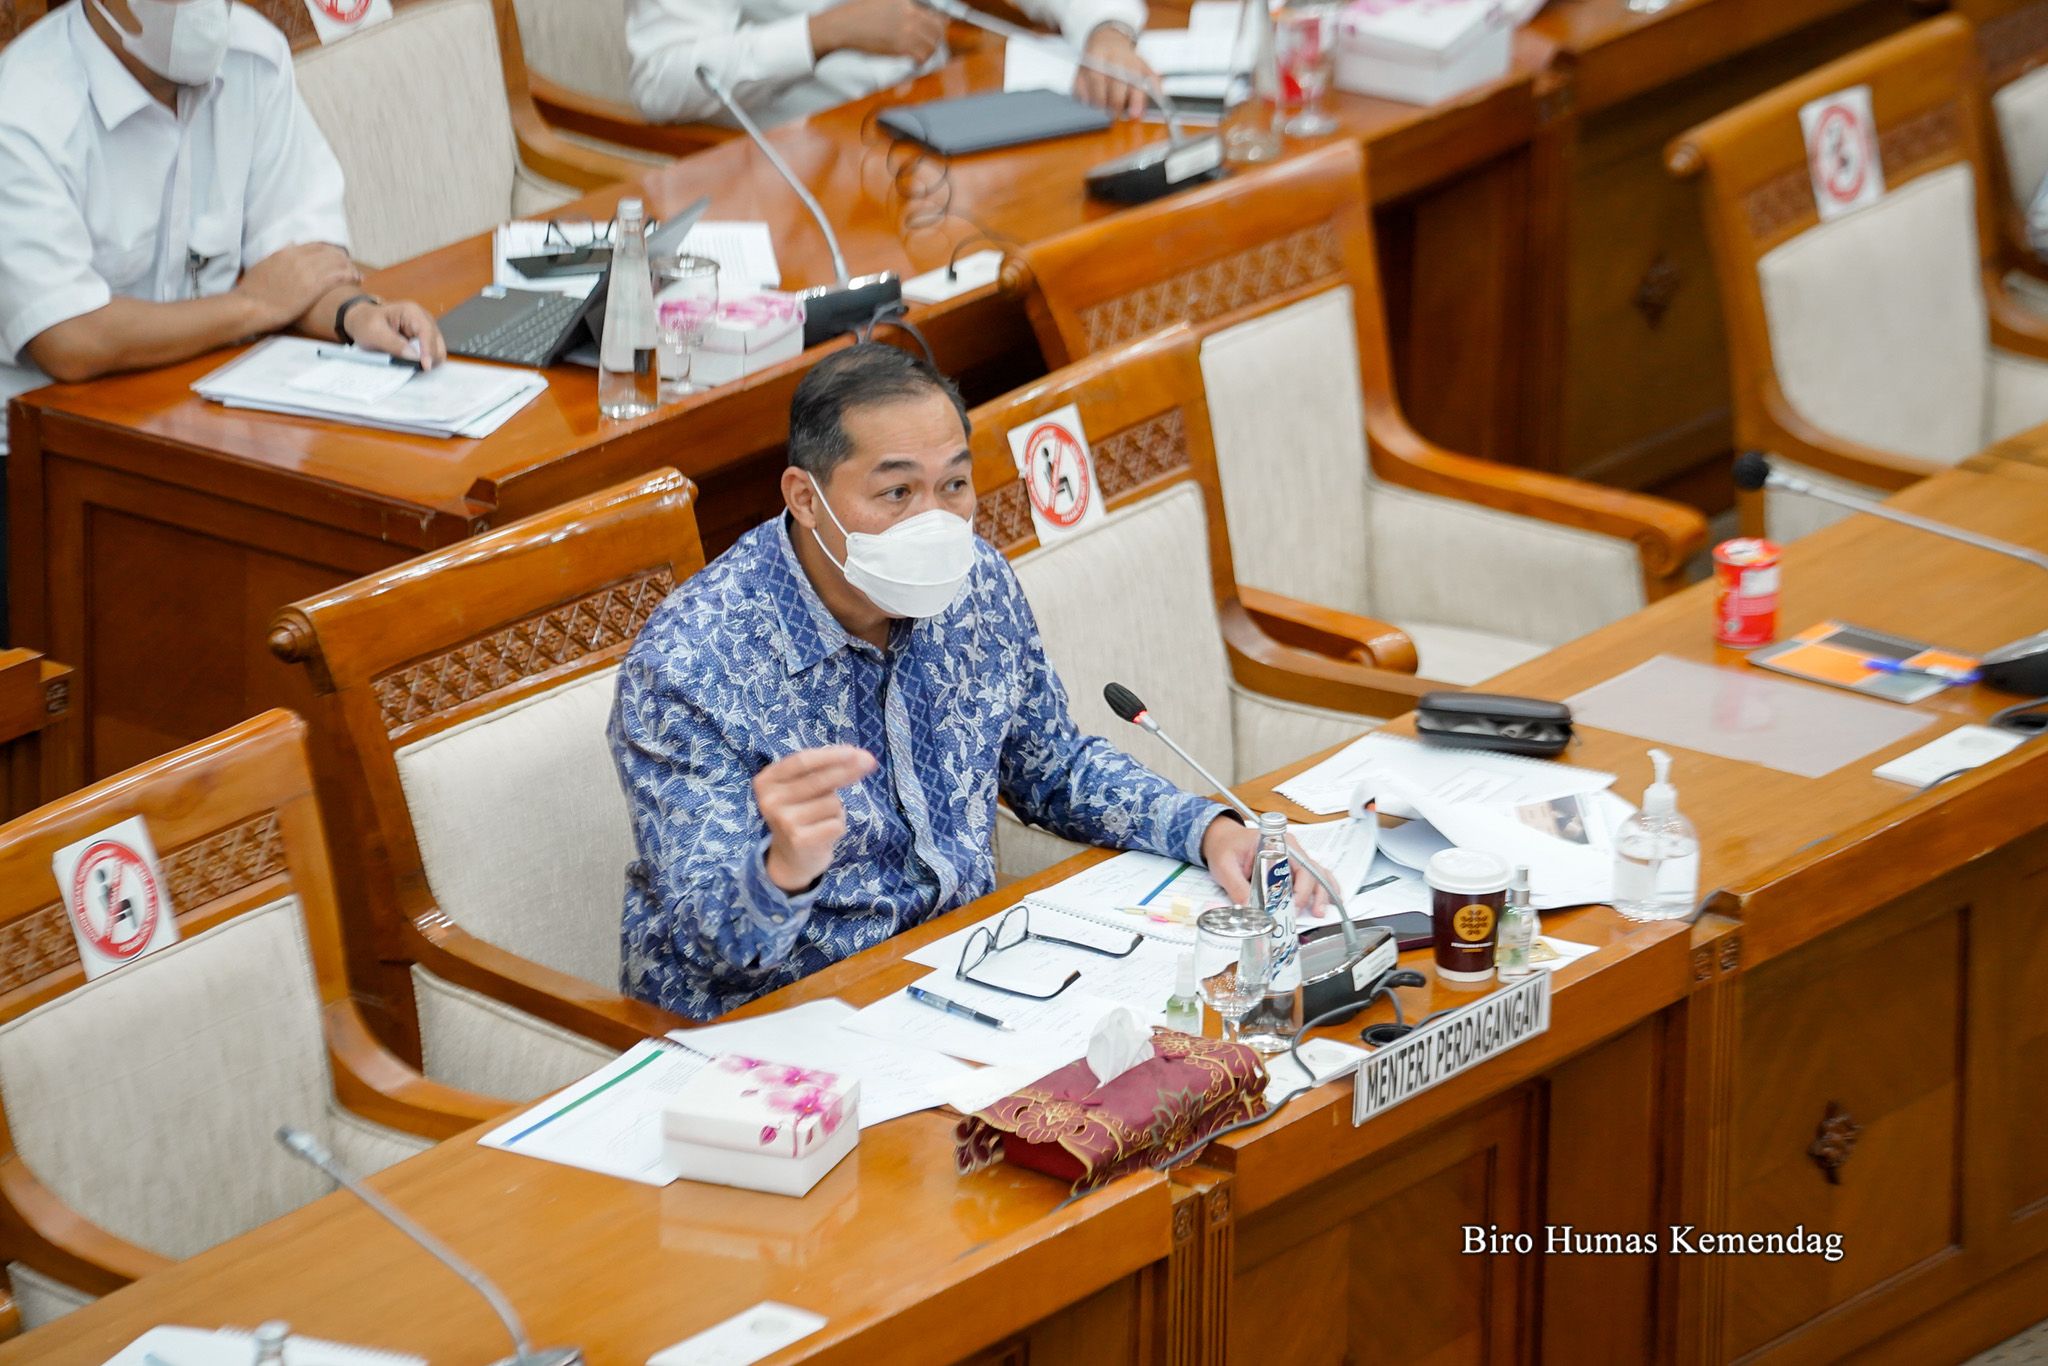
x=1840, y=332
x=459, y=720
x=137, y=1109
x=2012, y=57
x=16, y=15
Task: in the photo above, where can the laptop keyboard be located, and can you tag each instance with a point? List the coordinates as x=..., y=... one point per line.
x=528, y=338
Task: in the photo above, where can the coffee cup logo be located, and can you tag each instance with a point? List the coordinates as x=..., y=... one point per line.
x=1472, y=922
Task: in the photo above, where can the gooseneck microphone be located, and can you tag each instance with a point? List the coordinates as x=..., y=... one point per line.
x=1753, y=471
x=1136, y=176
x=304, y=1146
x=1126, y=705
x=846, y=304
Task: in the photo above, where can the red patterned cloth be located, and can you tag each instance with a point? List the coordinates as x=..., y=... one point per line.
x=1066, y=1126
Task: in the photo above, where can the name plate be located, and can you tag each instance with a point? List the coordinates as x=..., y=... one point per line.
x=1453, y=1044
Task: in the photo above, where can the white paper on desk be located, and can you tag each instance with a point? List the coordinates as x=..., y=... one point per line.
x=233, y=1347
x=1054, y=1032
x=895, y=1079
x=744, y=1338
x=745, y=253
x=354, y=380
x=439, y=402
x=1567, y=952
x=1327, y=1059
x=610, y=1121
x=1461, y=775
x=1099, y=893
x=1965, y=747
x=1142, y=980
x=984, y=1086
x=1561, y=872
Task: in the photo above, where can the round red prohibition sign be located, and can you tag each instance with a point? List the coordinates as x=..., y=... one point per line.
x=344, y=11
x=1056, y=475
x=1839, y=154
x=114, y=900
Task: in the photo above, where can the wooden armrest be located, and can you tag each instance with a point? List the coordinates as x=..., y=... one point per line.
x=1799, y=440
x=2013, y=328
x=1329, y=632
x=373, y=1083
x=1665, y=534
x=1264, y=665
x=607, y=1017
x=65, y=1244
x=614, y=121
x=549, y=154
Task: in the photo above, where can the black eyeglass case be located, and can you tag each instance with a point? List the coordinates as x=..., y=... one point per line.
x=1495, y=721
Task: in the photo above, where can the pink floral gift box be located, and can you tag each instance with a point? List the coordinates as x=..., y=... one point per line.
x=752, y=1105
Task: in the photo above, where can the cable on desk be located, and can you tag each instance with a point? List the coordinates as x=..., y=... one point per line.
x=923, y=181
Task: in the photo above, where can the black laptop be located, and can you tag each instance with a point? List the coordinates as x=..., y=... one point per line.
x=982, y=123
x=533, y=327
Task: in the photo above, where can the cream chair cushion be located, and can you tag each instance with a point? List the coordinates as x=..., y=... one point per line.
x=1478, y=590
x=480, y=1044
x=1271, y=732
x=578, y=43
x=2022, y=111
x=522, y=827
x=147, y=1100
x=1877, y=322
x=416, y=113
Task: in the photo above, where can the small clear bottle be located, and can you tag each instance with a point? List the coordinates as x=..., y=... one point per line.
x=628, y=380
x=1184, y=1007
x=1251, y=125
x=1657, y=854
x=1518, y=931
x=270, y=1340
x=1269, y=1026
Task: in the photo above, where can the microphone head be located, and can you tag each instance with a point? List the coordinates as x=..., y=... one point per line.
x=1752, y=471
x=1123, y=702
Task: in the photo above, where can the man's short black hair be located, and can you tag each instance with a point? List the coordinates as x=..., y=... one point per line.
x=861, y=376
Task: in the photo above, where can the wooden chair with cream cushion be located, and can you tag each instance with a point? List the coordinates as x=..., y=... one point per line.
x=2012, y=59
x=579, y=71
x=137, y=1109
x=1149, y=597
x=459, y=729
x=436, y=131
x=1872, y=350
x=1331, y=495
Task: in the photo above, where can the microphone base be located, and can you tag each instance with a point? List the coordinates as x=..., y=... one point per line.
x=544, y=1356
x=1350, y=982
x=1157, y=169
x=832, y=309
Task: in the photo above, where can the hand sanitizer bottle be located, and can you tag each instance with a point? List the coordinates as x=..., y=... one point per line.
x=1657, y=854
x=1517, y=932
x=1184, y=1007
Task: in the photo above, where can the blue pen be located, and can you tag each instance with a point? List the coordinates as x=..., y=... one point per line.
x=1953, y=677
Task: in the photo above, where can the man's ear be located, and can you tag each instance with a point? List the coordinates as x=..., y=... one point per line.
x=800, y=496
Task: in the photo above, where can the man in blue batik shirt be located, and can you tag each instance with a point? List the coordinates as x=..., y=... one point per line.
x=814, y=731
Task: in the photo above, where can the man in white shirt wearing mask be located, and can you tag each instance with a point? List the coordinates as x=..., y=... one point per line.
x=166, y=193
x=813, y=731
x=782, y=59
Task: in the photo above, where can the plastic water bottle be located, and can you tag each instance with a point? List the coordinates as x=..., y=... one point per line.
x=1657, y=854
x=1251, y=127
x=628, y=381
x=1270, y=1025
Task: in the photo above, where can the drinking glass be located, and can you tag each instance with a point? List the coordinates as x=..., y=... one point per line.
x=1305, y=41
x=1233, y=961
x=685, y=301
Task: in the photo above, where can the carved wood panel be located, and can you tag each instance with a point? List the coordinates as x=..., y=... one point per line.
x=2013, y=44
x=202, y=871
x=603, y=620
x=1209, y=291
x=1906, y=148
x=1124, y=460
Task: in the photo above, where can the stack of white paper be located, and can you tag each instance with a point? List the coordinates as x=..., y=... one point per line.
x=745, y=252
x=301, y=377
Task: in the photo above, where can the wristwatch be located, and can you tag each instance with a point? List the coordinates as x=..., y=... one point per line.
x=341, y=315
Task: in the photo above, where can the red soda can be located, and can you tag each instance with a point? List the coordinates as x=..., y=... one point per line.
x=1746, y=600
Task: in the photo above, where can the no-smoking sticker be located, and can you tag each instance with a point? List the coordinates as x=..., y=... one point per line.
x=1841, y=152
x=115, y=897
x=334, y=19
x=1058, y=471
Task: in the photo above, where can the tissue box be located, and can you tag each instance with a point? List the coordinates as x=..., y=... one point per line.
x=1066, y=1126
x=761, y=1125
x=748, y=333
x=1421, y=51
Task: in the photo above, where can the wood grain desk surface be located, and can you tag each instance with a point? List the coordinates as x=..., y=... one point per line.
x=1013, y=195
x=895, y=1247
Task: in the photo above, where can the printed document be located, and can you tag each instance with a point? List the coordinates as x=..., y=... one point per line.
x=1053, y=1032
x=610, y=1121
x=1441, y=771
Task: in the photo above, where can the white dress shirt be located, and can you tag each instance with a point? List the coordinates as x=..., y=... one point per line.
x=107, y=192
x=761, y=51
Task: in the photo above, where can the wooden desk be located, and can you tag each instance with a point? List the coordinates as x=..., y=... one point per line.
x=1873, y=950
x=153, y=533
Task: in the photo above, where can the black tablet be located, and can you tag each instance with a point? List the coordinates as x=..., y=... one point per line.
x=981, y=123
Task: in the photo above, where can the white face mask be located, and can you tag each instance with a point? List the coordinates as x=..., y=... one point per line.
x=185, y=43
x=914, y=569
